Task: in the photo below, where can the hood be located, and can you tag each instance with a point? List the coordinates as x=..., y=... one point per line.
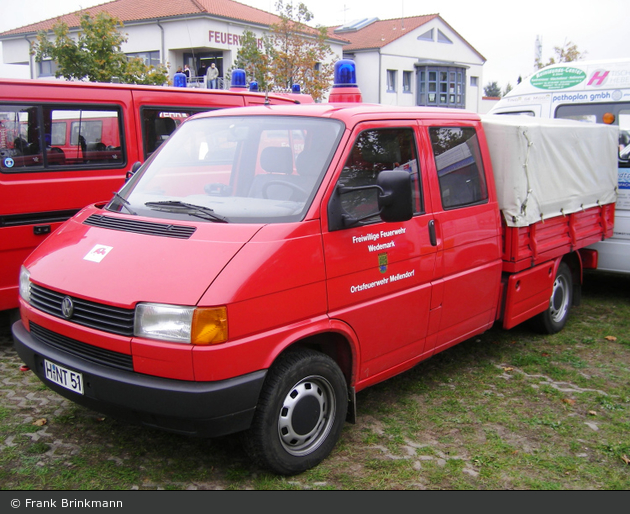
x=119, y=263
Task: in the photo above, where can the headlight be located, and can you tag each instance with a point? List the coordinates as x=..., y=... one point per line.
x=177, y=324
x=25, y=284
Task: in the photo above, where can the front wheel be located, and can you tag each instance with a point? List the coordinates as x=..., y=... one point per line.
x=555, y=317
x=300, y=413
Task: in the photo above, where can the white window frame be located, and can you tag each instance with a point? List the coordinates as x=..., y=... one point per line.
x=391, y=80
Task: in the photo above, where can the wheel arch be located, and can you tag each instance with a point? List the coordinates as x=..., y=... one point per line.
x=339, y=342
x=574, y=261
x=332, y=343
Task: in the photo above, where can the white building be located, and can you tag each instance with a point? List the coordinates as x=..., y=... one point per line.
x=418, y=60
x=177, y=32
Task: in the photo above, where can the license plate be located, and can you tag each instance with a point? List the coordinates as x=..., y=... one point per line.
x=64, y=376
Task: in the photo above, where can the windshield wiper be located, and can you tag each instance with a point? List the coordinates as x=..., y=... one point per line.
x=125, y=203
x=187, y=208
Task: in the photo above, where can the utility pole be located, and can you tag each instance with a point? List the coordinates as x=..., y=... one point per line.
x=538, y=50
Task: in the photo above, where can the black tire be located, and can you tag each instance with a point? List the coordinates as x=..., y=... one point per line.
x=300, y=413
x=555, y=317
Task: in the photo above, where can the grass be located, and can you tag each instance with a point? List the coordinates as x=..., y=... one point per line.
x=504, y=410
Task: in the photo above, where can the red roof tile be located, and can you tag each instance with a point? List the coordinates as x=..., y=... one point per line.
x=383, y=32
x=137, y=10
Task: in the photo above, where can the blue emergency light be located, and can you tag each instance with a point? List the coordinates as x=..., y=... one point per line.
x=345, y=73
x=295, y=88
x=345, y=88
x=239, y=80
x=253, y=86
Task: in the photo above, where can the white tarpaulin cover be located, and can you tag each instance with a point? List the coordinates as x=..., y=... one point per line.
x=549, y=167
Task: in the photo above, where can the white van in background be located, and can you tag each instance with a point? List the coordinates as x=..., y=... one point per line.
x=594, y=92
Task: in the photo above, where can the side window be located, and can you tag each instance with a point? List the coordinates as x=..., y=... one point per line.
x=375, y=151
x=159, y=123
x=36, y=138
x=77, y=137
x=615, y=113
x=624, y=137
x=459, y=166
x=20, y=144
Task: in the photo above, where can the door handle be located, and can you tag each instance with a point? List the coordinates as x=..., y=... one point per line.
x=432, y=236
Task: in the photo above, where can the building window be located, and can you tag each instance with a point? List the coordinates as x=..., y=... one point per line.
x=474, y=81
x=442, y=86
x=427, y=36
x=391, y=81
x=407, y=81
x=442, y=38
x=47, y=68
x=149, y=58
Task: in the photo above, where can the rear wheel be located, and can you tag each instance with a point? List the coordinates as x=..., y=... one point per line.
x=555, y=317
x=300, y=413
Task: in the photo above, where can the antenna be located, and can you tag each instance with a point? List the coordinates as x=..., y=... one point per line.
x=344, y=13
x=538, y=49
x=402, y=14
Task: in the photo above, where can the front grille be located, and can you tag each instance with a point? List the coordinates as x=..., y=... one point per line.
x=82, y=350
x=89, y=314
x=140, y=227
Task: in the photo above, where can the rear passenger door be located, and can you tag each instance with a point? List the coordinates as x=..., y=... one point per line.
x=379, y=274
x=468, y=232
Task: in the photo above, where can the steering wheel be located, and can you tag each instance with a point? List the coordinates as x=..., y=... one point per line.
x=295, y=188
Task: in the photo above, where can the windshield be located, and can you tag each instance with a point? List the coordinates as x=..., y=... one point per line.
x=249, y=169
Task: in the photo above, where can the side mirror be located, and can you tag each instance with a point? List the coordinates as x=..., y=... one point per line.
x=132, y=171
x=395, y=199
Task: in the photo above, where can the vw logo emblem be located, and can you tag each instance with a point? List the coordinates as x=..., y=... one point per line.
x=67, y=307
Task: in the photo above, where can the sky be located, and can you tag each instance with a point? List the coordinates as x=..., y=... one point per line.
x=504, y=32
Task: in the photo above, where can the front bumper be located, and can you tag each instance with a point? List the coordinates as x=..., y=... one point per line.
x=207, y=409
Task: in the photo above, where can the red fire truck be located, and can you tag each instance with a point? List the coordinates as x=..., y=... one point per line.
x=270, y=262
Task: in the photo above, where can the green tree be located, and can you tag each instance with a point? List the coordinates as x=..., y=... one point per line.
x=567, y=53
x=96, y=54
x=298, y=52
x=492, y=89
x=253, y=60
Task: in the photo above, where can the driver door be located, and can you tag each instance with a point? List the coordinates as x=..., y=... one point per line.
x=379, y=274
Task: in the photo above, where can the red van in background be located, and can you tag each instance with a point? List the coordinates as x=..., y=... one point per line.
x=64, y=145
